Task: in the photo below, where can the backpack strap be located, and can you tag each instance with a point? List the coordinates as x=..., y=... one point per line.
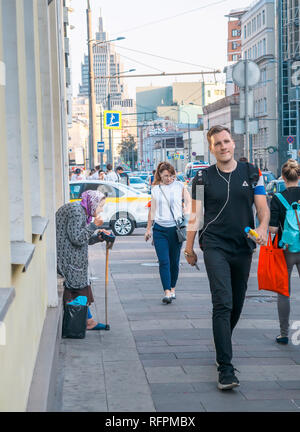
x=253, y=174
x=283, y=200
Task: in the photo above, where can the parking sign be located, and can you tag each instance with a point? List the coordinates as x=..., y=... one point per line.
x=112, y=120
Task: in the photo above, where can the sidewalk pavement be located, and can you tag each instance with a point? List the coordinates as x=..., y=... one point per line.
x=161, y=358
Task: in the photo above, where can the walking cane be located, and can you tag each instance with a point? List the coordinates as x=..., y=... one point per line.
x=110, y=239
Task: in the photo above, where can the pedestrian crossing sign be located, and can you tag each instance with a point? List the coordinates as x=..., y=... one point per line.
x=112, y=120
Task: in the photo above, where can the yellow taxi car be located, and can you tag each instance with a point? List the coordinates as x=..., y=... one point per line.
x=125, y=208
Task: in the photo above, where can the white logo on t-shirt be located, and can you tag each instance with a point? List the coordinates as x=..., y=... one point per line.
x=245, y=183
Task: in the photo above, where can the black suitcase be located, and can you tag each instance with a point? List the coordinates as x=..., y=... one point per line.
x=74, y=321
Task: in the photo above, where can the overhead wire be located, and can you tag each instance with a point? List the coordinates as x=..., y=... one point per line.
x=143, y=64
x=164, y=58
x=172, y=17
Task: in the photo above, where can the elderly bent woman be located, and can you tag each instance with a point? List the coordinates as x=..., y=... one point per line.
x=75, y=230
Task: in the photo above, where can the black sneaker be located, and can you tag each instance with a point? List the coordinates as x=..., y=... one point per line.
x=227, y=379
x=284, y=340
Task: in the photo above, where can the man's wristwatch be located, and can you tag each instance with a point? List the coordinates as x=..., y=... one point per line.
x=188, y=254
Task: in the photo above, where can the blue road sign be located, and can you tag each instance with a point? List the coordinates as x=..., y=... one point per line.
x=100, y=147
x=112, y=120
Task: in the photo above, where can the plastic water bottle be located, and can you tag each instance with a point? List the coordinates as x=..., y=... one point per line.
x=251, y=233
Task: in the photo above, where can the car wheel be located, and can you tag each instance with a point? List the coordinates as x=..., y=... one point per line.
x=123, y=225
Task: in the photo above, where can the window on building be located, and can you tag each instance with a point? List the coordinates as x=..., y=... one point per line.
x=249, y=29
x=234, y=45
x=255, y=51
x=265, y=105
x=264, y=49
x=254, y=25
x=235, y=57
x=263, y=17
x=259, y=21
x=235, y=32
x=245, y=32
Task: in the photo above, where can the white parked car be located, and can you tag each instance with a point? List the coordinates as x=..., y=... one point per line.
x=125, y=208
x=138, y=184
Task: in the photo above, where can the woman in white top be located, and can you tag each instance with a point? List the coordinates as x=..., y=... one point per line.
x=166, y=192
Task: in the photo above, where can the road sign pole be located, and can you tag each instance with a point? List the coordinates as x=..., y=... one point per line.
x=297, y=122
x=246, y=112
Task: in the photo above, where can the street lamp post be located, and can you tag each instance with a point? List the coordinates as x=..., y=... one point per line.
x=92, y=101
x=110, y=146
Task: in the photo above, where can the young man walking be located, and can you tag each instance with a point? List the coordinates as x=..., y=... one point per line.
x=222, y=200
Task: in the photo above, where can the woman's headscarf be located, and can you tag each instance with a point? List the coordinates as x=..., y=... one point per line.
x=90, y=201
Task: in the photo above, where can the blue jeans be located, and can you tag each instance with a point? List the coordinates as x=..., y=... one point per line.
x=168, y=250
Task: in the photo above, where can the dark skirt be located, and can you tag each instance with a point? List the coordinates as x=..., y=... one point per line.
x=71, y=294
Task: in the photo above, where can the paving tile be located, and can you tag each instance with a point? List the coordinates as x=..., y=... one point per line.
x=278, y=394
x=171, y=388
x=214, y=404
x=292, y=385
x=177, y=402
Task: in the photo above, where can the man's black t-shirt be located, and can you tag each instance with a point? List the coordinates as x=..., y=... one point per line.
x=278, y=211
x=227, y=231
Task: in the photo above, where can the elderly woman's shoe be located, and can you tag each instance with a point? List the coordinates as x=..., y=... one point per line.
x=99, y=326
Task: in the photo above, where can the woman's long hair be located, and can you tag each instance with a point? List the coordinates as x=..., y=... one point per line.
x=162, y=166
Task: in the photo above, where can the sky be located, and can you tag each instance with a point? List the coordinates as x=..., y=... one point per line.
x=191, y=36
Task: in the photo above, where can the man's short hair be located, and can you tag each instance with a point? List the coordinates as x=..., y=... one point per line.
x=77, y=171
x=215, y=130
x=109, y=167
x=120, y=168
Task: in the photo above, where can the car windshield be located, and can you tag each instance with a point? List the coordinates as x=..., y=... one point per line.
x=130, y=190
x=134, y=180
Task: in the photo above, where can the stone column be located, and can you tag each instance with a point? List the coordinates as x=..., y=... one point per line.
x=17, y=120
x=47, y=109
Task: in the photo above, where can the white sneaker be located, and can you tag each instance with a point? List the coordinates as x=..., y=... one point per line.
x=173, y=295
x=167, y=299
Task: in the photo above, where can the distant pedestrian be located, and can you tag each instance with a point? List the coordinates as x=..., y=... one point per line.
x=78, y=176
x=101, y=175
x=151, y=179
x=167, y=197
x=123, y=177
x=92, y=172
x=222, y=199
x=75, y=230
x=290, y=173
x=111, y=176
x=95, y=174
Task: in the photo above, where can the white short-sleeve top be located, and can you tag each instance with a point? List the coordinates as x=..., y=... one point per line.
x=173, y=193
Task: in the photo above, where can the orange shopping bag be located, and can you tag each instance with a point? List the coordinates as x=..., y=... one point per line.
x=272, y=273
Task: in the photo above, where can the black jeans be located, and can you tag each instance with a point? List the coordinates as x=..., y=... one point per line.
x=228, y=276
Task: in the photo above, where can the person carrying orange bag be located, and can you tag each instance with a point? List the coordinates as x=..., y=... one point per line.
x=272, y=273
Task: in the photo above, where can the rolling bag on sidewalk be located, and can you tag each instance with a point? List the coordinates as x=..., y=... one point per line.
x=74, y=320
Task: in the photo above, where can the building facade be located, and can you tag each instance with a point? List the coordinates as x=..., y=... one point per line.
x=34, y=183
x=234, y=35
x=288, y=79
x=223, y=112
x=106, y=63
